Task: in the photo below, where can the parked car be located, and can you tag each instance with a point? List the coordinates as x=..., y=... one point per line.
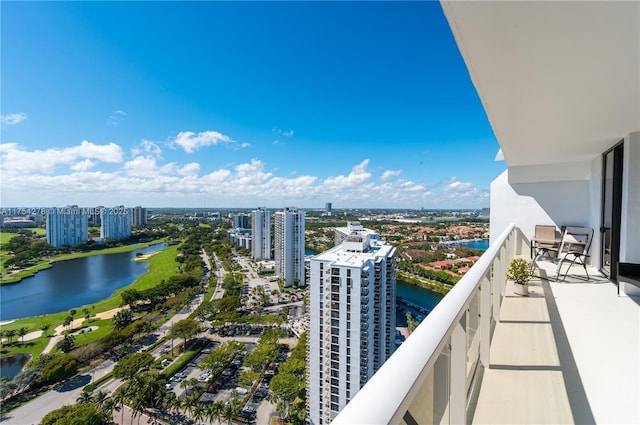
x=247, y=412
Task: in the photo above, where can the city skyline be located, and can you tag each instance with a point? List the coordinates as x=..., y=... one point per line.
x=217, y=105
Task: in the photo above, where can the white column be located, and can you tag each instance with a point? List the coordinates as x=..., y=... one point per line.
x=458, y=394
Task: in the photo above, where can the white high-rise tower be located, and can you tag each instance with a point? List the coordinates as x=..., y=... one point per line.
x=353, y=320
x=289, y=246
x=261, y=234
x=116, y=222
x=67, y=226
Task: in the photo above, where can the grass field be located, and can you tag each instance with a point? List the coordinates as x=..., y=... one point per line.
x=5, y=238
x=162, y=265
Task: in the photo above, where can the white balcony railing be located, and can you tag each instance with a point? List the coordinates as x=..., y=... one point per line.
x=430, y=378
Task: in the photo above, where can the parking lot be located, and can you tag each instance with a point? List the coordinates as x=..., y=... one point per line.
x=226, y=387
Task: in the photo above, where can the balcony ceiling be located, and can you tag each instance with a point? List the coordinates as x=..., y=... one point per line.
x=559, y=81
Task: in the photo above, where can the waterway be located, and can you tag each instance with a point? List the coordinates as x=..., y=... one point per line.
x=72, y=283
x=12, y=365
x=415, y=295
x=479, y=244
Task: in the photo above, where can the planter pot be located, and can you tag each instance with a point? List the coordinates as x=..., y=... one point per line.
x=520, y=289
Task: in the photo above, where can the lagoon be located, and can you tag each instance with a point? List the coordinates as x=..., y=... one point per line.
x=70, y=284
x=416, y=295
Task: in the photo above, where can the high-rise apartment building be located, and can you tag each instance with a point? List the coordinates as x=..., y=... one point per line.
x=352, y=320
x=138, y=216
x=241, y=221
x=67, y=226
x=289, y=246
x=94, y=215
x=353, y=227
x=327, y=208
x=116, y=222
x=261, y=234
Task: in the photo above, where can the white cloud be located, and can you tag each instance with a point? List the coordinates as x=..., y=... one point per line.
x=18, y=160
x=358, y=176
x=146, y=166
x=12, y=119
x=190, y=141
x=116, y=118
x=389, y=174
x=191, y=169
x=285, y=133
x=146, y=178
x=147, y=147
x=85, y=165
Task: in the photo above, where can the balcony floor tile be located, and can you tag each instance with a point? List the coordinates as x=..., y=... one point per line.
x=566, y=354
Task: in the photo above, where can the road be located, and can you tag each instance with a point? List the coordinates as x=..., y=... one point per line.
x=33, y=411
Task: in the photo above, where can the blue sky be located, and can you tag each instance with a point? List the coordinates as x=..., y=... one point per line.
x=239, y=104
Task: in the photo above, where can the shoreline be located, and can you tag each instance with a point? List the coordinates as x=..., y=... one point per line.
x=104, y=306
x=48, y=263
x=435, y=286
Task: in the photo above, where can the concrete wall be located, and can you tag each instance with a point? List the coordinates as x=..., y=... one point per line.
x=562, y=203
x=573, y=199
x=630, y=223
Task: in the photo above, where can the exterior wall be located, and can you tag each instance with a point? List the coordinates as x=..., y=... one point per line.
x=138, y=216
x=241, y=221
x=570, y=202
x=116, y=223
x=563, y=203
x=67, y=226
x=630, y=223
x=261, y=234
x=352, y=324
x=289, y=246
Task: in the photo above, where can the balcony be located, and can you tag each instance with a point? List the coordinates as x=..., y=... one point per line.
x=568, y=353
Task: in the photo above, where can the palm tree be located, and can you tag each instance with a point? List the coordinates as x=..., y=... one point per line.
x=10, y=333
x=100, y=397
x=85, y=397
x=119, y=396
x=67, y=321
x=72, y=313
x=172, y=403
x=229, y=412
x=106, y=408
x=198, y=412
x=192, y=382
x=184, y=384
x=22, y=332
x=137, y=407
x=45, y=329
x=215, y=410
x=188, y=404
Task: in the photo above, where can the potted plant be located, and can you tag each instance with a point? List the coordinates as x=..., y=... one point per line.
x=519, y=272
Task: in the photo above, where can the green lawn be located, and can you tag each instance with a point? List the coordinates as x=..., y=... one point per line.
x=162, y=265
x=5, y=238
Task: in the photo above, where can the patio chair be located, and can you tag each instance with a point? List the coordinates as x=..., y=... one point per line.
x=544, y=240
x=573, y=249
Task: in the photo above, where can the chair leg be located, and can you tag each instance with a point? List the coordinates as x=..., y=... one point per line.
x=564, y=278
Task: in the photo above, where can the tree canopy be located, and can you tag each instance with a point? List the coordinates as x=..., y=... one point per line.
x=131, y=364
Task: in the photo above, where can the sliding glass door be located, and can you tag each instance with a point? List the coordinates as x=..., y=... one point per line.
x=611, y=210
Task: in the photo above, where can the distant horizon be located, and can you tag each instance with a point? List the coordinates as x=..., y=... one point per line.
x=320, y=208
x=240, y=103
